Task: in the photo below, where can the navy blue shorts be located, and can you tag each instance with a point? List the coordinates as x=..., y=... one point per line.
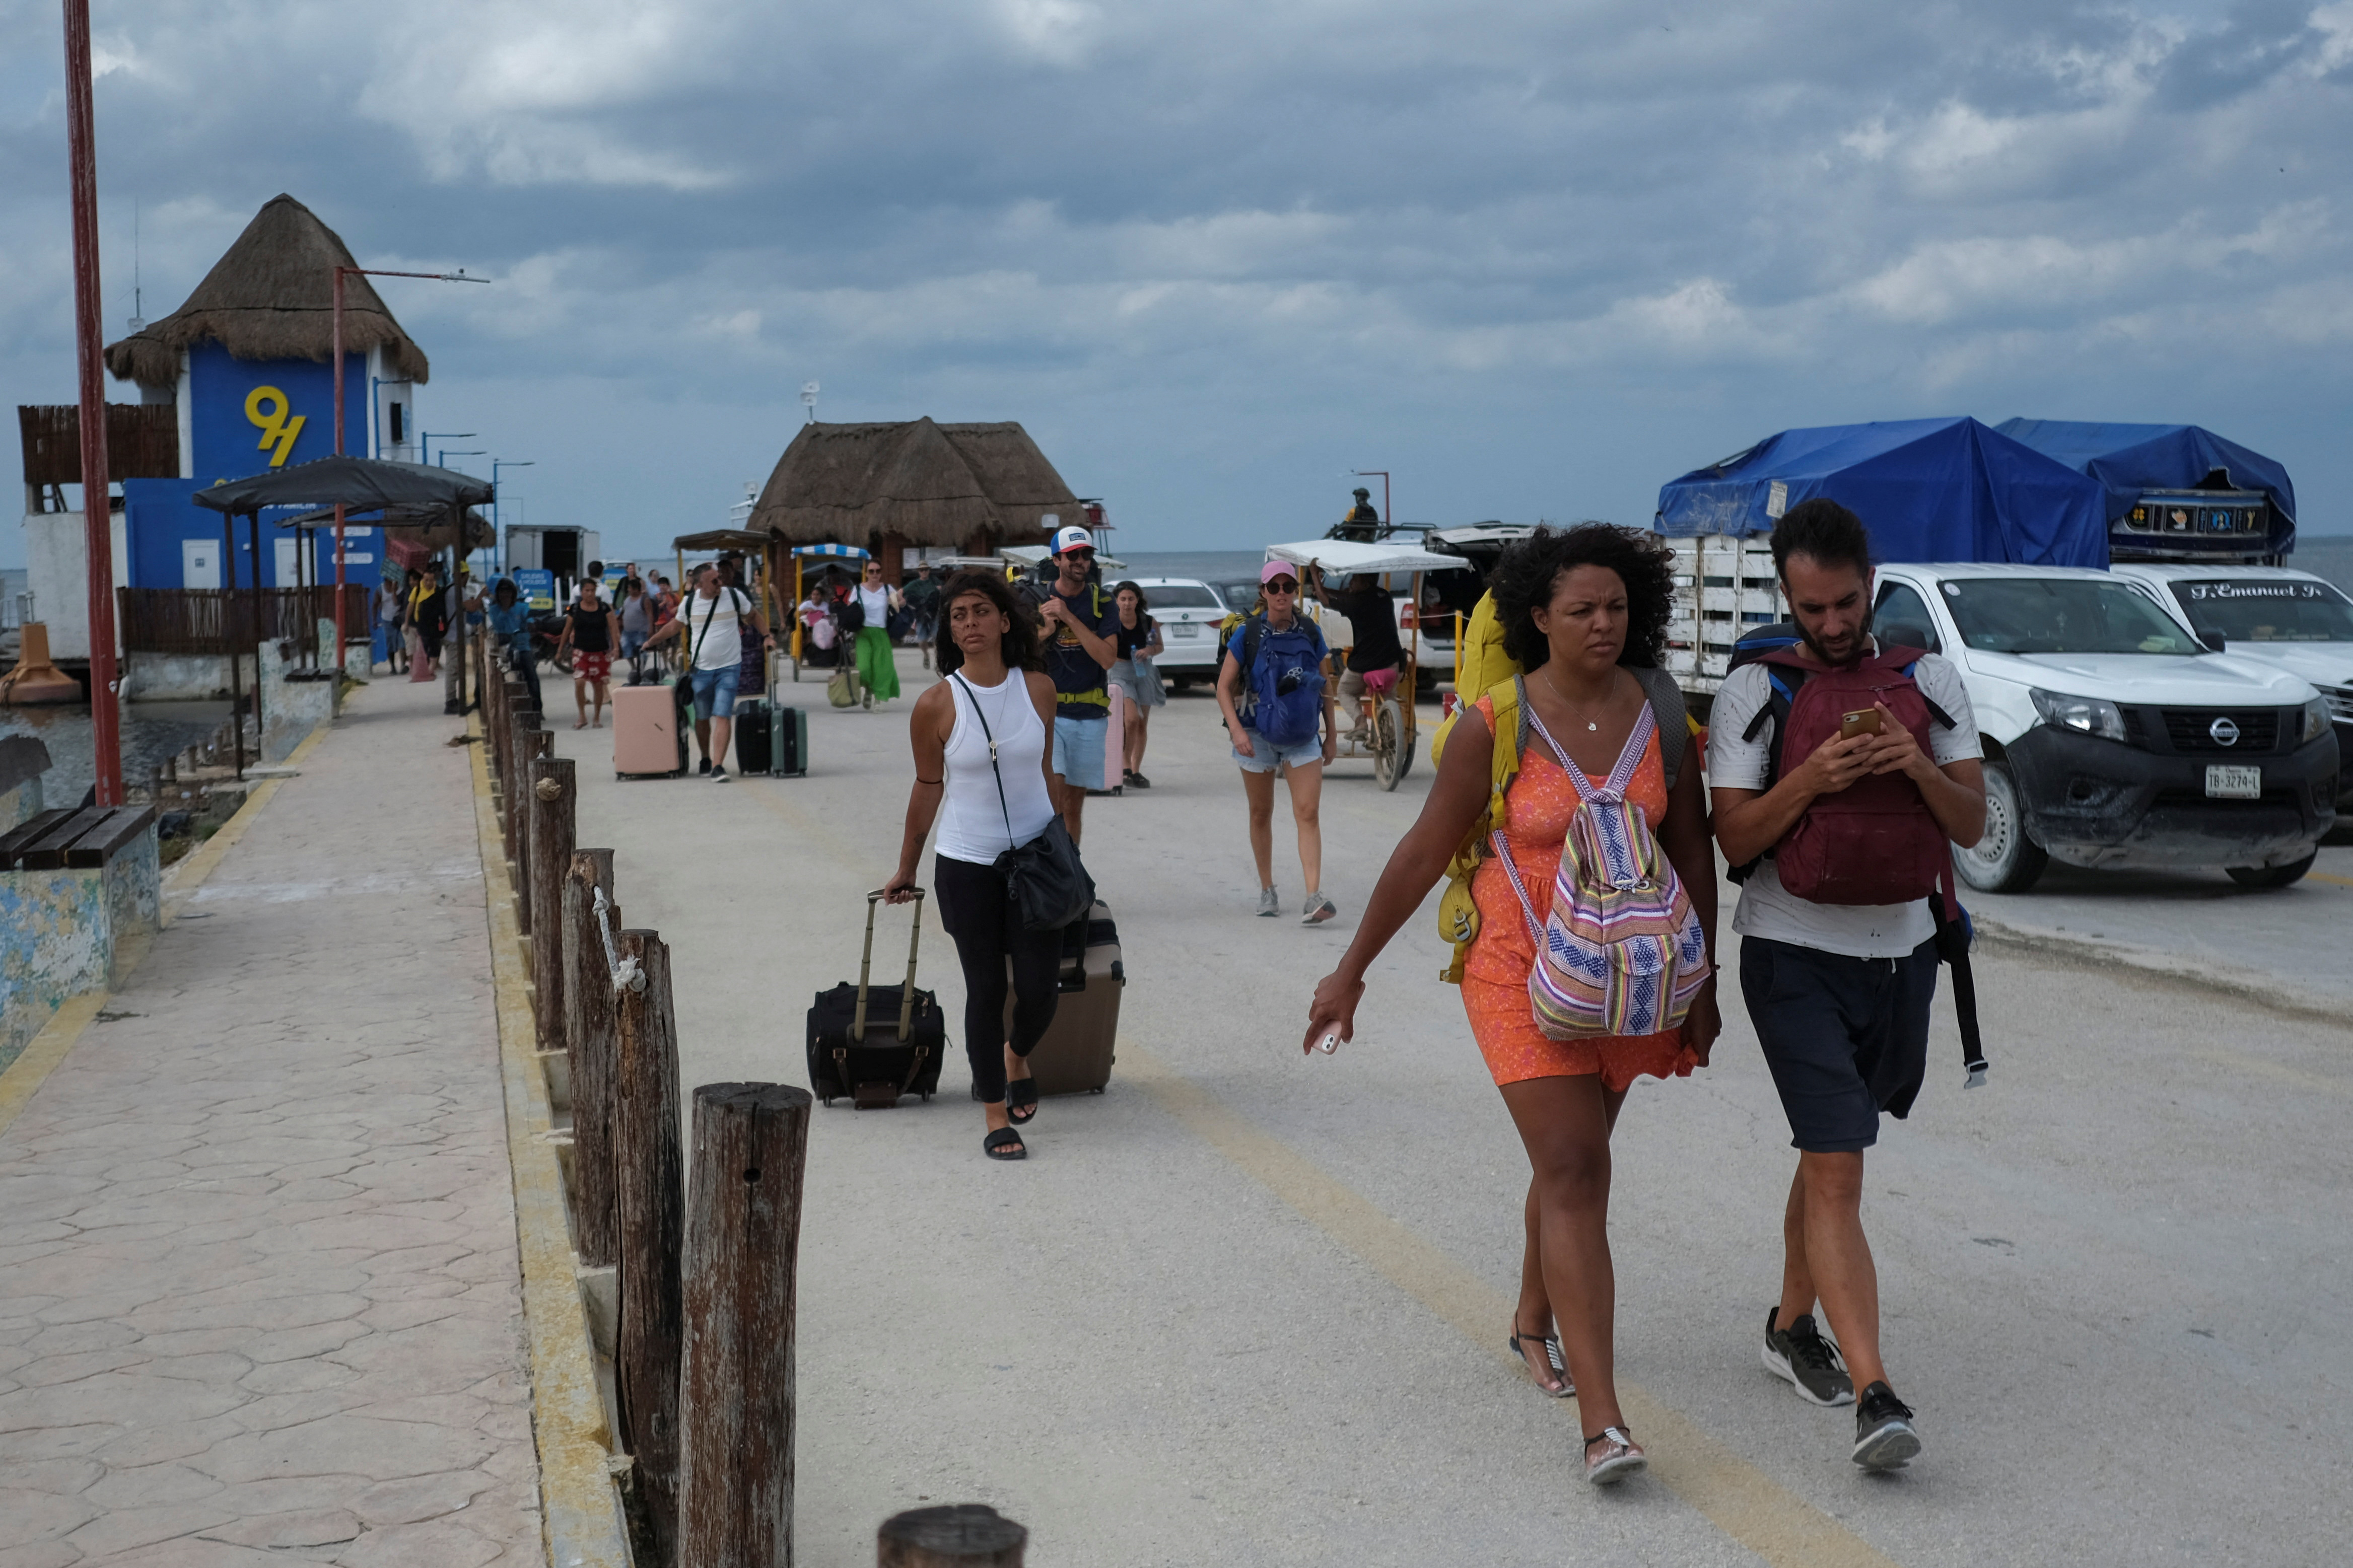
x=1845, y=1037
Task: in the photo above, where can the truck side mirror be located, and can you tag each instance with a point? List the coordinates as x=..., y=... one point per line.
x=2215, y=641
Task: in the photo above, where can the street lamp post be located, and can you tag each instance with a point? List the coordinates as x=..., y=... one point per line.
x=457, y=277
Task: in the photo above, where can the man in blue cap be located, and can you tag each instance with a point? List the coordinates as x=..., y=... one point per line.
x=1081, y=624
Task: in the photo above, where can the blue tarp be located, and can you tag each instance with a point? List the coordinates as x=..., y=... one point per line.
x=1928, y=489
x=2129, y=459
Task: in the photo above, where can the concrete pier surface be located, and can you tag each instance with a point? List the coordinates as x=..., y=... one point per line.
x=1248, y=1308
x=258, y=1264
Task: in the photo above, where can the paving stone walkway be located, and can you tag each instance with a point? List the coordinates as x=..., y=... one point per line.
x=258, y=1294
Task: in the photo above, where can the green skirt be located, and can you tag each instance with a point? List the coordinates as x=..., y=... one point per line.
x=877, y=670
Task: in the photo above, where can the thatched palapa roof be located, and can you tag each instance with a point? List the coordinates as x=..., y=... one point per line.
x=270, y=296
x=928, y=483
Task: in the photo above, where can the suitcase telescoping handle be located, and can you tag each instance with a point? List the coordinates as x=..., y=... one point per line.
x=866, y=965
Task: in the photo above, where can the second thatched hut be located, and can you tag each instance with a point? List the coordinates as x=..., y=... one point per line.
x=969, y=488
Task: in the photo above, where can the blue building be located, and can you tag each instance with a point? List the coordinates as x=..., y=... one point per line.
x=245, y=364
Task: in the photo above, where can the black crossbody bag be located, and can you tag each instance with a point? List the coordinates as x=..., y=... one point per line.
x=1045, y=883
x=682, y=689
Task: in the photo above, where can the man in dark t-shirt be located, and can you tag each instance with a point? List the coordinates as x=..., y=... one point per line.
x=1080, y=623
x=1374, y=658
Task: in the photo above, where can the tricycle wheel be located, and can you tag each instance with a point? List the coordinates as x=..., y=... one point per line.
x=1392, y=744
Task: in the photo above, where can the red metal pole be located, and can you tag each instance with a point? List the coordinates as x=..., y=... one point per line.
x=97, y=522
x=338, y=665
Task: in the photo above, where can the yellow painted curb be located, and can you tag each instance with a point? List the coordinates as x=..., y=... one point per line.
x=1732, y=1494
x=44, y=1051
x=579, y=1508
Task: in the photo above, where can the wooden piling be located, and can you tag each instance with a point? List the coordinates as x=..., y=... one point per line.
x=960, y=1535
x=591, y=1028
x=742, y=1241
x=553, y=794
x=646, y=1170
x=536, y=744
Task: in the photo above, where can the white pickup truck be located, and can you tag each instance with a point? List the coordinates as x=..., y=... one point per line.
x=2113, y=736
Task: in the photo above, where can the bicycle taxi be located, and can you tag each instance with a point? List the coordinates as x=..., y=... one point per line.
x=1388, y=719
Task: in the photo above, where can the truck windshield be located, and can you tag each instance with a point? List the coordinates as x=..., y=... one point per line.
x=2266, y=609
x=2060, y=614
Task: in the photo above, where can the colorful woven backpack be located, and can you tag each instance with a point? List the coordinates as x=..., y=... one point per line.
x=1623, y=951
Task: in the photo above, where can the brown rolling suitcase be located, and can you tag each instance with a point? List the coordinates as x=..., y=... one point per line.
x=1075, y=1056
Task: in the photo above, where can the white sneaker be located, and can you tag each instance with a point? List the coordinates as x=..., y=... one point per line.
x=1269, y=902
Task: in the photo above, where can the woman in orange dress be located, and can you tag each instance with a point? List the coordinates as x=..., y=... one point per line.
x=1577, y=607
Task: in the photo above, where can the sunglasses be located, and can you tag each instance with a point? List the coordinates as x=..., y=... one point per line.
x=1283, y=585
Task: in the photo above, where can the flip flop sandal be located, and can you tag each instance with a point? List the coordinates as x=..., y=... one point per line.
x=1553, y=1355
x=1005, y=1144
x=1619, y=1456
x=1021, y=1101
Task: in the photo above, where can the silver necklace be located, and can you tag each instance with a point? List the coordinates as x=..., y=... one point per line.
x=1590, y=724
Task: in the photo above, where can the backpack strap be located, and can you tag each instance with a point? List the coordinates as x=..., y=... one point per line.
x=1668, y=707
x=1953, y=935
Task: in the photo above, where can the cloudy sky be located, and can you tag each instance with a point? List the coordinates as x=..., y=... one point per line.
x=1534, y=259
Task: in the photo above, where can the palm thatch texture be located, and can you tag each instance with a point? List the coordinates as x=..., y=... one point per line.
x=923, y=482
x=271, y=296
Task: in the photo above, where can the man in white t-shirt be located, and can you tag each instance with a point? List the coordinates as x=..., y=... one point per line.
x=710, y=622
x=1839, y=992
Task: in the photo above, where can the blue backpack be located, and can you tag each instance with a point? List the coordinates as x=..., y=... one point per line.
x=1283, y=673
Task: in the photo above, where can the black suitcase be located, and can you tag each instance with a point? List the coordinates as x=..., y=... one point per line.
x=789, y=744
x=753, y=721
x=876, y=1043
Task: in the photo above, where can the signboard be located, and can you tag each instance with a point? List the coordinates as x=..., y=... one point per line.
x=247, y=416
x=537, y=587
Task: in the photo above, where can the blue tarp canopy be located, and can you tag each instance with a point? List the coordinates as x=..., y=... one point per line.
x=1928, y=489
x=2129, y=459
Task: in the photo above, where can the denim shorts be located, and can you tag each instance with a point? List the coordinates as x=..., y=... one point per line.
x=714, y=692
x=1264, y=755
x=1845, y=1037
x=1079, y=750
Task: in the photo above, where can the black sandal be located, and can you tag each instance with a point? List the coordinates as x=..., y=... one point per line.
x=1005, y=1144
x=1021, y=1101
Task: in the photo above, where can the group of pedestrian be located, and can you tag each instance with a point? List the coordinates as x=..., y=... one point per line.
x=1568, y=805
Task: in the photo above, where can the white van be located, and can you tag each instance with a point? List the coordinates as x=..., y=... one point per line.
x=2299, y=622
x=2113, y=736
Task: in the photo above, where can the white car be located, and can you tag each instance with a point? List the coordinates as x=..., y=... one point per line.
x=2299, y=622
x=1188, y=611
x=2113, y=736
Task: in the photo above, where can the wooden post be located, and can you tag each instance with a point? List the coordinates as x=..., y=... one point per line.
x=536, y=744
x=591, y=1026
x=524, y=720
x=553, y=793
x=646, y=1172
x=961, y=1535
x=742, y=1241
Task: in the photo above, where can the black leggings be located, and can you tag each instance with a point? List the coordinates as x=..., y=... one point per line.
x=974, y=909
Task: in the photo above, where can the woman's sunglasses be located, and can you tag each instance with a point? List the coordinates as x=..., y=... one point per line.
x=1283, y=585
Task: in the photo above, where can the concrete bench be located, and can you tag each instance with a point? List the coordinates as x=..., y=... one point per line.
x=79, y=902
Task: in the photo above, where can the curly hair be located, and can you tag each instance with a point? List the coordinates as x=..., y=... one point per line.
x=1021, y=642
x=1523, y=581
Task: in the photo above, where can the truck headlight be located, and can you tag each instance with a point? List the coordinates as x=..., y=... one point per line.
x=2315, y=720
x=2084, y=715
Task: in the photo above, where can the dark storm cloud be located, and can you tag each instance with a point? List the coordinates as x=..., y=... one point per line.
x=1538, y=257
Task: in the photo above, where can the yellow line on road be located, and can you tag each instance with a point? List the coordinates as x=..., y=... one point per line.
x=1734, y=1496
x=2325, y=877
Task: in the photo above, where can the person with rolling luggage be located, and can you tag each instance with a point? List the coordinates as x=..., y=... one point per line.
x=983, y=770
x=711, y=619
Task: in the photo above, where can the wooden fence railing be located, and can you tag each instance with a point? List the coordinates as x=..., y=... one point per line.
x=215, y=620
x=703, y=1270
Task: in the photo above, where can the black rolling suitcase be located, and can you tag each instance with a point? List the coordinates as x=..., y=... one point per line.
x=753, y=723
x=876, y=1043
x=789, y=744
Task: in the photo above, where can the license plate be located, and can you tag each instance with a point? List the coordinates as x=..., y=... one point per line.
x=2225, y=782
x=1183, y=629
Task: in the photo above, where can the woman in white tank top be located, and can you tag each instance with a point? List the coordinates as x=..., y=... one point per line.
x=981, y=770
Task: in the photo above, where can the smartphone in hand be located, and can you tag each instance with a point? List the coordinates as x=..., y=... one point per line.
x=1862, y=721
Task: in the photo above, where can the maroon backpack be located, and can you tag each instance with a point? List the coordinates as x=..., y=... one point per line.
x=1875, y=841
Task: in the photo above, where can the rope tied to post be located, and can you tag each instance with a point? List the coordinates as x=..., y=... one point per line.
x=626, y=974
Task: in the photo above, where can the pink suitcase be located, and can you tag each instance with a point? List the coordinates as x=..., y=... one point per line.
x=646, y=742
x=1115, y=741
